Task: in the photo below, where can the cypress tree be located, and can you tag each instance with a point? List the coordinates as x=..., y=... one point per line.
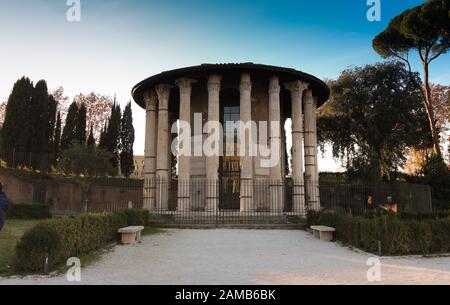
x=102, y=142
x=39, y=120
x=112, y=136
x=52, y=118
x=80, y=128
x=91, y=140
x=127, y=142
x=69, y=131
x=57, y=140
x=15, y=130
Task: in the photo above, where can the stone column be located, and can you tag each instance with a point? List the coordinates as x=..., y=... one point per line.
x=162, y=170
x=212, y=162
x=311, y=169
x=151, y=103
x=246, y=159
x=276, y=182
x=184, y=160
x=316, y=172
x=298, y=185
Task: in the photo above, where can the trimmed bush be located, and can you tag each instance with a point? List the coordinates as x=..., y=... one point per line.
x=36, y=244
x=62, y=238
x=29, y=211
x=136, y=217
x=397, y=236
x=425, y=216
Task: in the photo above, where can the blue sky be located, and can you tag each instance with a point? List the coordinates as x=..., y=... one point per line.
x=120, y=42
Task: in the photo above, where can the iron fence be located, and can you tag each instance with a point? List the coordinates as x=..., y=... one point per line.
x=230, y=199
x=272, y=201
x=364, y=198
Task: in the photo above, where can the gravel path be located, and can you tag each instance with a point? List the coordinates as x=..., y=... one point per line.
x=246, y=257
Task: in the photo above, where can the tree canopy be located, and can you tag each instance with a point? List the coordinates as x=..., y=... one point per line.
x=424, y=29
x=374, y=114
x=127, y=142
x=16, y=128
x=69, y=131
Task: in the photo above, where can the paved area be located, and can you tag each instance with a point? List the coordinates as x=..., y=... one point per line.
x=246, y=257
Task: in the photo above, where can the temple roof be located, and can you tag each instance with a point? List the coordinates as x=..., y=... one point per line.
x=201, y=72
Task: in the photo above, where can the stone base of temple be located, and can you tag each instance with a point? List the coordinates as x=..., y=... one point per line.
x=230, y=217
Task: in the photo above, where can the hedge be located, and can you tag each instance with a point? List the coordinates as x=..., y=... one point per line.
x=62, y=238
x=395, y=235
x=424, y=216
x=29, y=211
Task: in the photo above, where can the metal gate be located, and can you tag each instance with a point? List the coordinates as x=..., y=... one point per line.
x=39, y=192
x=229, y=184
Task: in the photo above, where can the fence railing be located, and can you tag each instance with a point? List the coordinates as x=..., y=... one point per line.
x=227, y=200
x=272, y=201
x=362, y=198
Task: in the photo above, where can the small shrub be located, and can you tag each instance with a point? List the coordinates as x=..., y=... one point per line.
x=29, y=211
x=136, y=217
x=36, y=244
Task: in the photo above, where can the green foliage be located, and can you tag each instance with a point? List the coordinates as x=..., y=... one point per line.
x=51, y=132
x=374, y=114
x=35, y=245
x=57, y=140
x=437, y=175
x=41, y=110
x=425, y=216
x=392, y=43
x=428, y=26
x=16, y=128
x=127, y=142
x=69, y=131
x=91, y=140
x=112, y=135
x=81, y=160
x=80, y=128
x=62, y=238
x=102, y=140
x=425, y=29
x=135, y=217
x=29, y=211
x=28, y=130
x=100, y=181
x=397, y=236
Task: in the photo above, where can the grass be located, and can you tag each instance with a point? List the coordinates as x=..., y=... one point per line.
x=9, y=236
x=151, y=231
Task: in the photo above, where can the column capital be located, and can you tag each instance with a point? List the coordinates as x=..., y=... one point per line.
x=297, y=86
x=214, y=83
x=185, y=84
x=274, y=85
x=163, y=92
x=150, y=100
x=246, y=83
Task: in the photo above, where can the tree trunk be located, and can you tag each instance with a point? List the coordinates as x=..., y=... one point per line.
x=430, y=112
